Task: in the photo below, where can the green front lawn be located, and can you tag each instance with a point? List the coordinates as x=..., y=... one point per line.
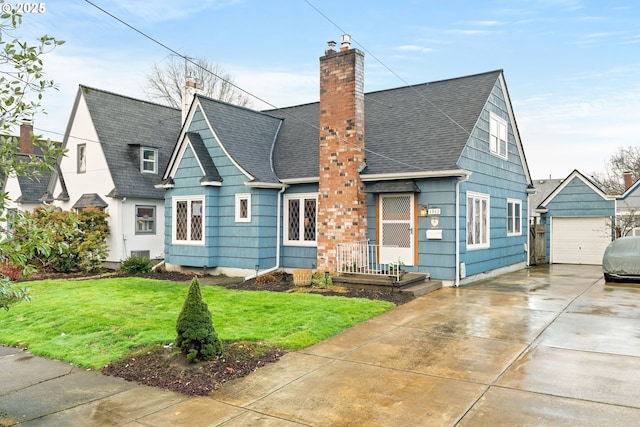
x=92, y=322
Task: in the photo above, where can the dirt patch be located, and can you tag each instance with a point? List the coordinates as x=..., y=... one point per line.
x=164, y=367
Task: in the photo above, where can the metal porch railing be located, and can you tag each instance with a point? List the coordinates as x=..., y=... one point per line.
x=362, y=258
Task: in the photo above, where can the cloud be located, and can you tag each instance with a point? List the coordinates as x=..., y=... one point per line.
x=413, y=48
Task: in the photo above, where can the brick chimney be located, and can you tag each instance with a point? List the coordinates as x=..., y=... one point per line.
x=628, y=180
x=342, y=201
x=26, y=137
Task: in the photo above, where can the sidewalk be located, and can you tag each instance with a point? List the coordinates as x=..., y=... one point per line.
x=545, y=346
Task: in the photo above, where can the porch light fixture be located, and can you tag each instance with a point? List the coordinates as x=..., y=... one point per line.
x=423, y=210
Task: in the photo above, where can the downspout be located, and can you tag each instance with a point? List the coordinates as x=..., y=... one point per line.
x=458, y=182
x=278, y=228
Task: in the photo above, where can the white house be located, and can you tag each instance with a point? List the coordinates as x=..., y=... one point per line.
x=118, y=148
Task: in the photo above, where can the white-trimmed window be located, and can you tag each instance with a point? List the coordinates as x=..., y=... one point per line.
x=82, y=158
x=514, y=217
x=145, y=219
x=243, y=207
x=478, y=214
x=300, y=211
x=188, y=220
x=148, y=160
x=498, y=136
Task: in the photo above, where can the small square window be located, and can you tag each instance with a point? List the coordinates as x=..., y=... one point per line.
x=145, y=220
x=148, y=160
x=243, y=207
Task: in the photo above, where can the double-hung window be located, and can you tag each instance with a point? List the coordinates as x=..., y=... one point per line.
x=148, y=160
x=300, y=212
x=478, y=215
x=188, y=220
x=243, y=207
x=145, y=219
x=514, y=217
x=498, y=136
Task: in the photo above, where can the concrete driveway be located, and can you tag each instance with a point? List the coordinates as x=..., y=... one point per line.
x=546, y=346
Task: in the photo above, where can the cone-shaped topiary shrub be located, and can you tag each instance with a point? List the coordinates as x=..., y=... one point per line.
x=197, y=337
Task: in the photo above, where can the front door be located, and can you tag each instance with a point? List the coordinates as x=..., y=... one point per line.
x=396, y=228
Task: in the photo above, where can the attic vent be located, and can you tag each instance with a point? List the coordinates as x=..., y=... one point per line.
x=143, y=254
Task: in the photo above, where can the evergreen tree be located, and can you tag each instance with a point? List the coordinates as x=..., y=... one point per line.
x=197, y=337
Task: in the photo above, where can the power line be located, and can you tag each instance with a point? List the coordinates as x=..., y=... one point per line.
x=412, y=87
x=286, y=113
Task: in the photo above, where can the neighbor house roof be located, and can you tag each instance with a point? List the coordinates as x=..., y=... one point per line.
x=123, y=125
x=543, y=188
x=32, y=188
x=415, y=128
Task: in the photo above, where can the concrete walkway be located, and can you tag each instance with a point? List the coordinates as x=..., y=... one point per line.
x=547, y=346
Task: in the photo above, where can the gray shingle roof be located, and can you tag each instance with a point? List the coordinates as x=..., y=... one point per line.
x=124, y=124
x=32, y=189
x=210, y=170
x=247, y=136
x=419, y=128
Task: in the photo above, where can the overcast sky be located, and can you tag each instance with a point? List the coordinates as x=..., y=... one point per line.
x=571, y=66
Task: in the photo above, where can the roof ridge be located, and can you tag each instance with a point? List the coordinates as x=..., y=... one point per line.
x=499, y=70
x=85, y=88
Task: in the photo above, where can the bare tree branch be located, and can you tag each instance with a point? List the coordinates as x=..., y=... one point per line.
x=625, y=160
x=165, y=83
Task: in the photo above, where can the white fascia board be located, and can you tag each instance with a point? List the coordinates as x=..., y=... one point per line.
x=516, y=132
x=257, y=184
x=416, y=175
x=211, y=184
x=307, y=180
x=163, y=186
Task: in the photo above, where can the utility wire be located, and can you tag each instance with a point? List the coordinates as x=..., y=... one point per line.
x=187, y=59
x=412, y=87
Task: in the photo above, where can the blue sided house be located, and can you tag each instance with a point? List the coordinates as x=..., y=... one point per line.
x=578, y=219
x=431, y=178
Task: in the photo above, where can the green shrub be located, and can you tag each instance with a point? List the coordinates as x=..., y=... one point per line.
x=136, y=264
x=75, y=241
x=197, y=337
x=321, y=280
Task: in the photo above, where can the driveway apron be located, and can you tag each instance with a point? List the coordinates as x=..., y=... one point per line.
x=544, y=346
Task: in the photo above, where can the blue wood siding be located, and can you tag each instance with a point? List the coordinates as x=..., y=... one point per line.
x=437, y=257
x=501, y=179
x=227, y=243
x=576, y=199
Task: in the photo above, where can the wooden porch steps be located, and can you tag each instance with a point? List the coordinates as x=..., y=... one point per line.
x=414, y=283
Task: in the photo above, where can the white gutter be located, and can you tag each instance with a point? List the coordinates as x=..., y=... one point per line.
x=465, y=178
x=278, y=213
x=415, y=175
x=389, y=176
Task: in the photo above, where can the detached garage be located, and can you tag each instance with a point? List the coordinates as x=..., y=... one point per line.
x=580, y=240
x=577, y=217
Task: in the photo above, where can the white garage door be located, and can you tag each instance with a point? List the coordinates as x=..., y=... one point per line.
x=579, y=240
